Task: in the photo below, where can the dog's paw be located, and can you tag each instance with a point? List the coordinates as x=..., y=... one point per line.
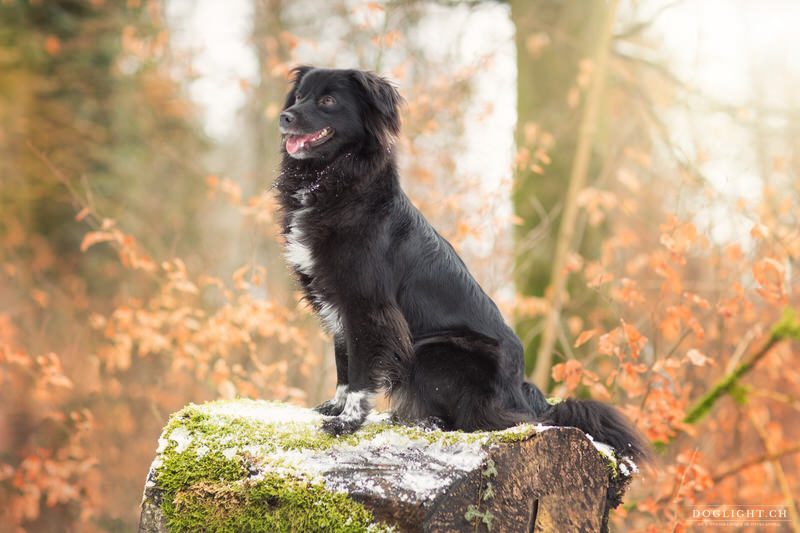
x=434, y=423
x=330, y=408
x=339, y=425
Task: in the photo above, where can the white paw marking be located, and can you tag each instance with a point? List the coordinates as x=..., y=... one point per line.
x=353, y=409
x=341, y=394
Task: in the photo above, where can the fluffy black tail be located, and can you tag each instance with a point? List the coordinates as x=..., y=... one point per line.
x=603, y=422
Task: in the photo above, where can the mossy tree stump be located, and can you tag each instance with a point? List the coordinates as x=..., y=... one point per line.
x=259, y=466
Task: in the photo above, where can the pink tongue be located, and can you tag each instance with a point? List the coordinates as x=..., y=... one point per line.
x=294, y=143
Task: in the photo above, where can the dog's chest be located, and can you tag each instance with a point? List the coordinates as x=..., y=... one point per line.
x=301, y=256
x=299, y=252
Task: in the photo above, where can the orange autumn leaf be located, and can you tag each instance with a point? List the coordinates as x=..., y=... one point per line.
x=670, y=326
x=697, y=358
x=695, y=326
x=636, y=341
x=608, y=343
x=585, y=336
x=53, y=45
x=733, y=253
x=628, y=379
x=697, y=299
x=759, y=231
x=628, y=293
x=569, y=372
x=82, y=214
x=672, y=281
x=769, y=273
x=94, y=237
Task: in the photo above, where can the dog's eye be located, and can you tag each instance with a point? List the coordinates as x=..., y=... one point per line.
x=297, y=98
x=327, y=100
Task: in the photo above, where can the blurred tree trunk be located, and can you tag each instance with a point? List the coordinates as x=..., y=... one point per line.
x=552, y=37
x=577, y=181
x=86, y=85
x=90, y=114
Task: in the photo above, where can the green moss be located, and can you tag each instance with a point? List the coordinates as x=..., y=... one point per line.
x=270, y=504
x=179, y=471
x=612, y=465
x=739, y=393
x=233, y=431
x=209, y=490
x=788, y=327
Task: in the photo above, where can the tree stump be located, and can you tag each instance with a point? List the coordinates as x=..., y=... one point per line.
x=259, y=466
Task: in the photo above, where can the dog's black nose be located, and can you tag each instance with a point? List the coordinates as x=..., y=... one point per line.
x=286, y=118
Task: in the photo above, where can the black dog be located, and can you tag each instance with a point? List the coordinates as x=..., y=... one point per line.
x=405, y=313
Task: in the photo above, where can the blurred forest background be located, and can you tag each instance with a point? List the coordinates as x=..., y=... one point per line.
x=622, y=176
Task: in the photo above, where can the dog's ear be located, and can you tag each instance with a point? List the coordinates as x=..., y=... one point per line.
x=297, y=74
x=381, y=103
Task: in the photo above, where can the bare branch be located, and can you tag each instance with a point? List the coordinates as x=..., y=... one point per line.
x=774, y=456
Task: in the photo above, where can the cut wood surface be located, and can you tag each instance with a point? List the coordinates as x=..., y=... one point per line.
x=259, y=466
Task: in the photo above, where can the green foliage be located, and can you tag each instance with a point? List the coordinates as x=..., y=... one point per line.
x=788, y=327
x=488, y=493
x=485, y=517
x=490, y=470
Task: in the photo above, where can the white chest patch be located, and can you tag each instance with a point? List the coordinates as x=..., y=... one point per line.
x=298, y=252
x=330, y=317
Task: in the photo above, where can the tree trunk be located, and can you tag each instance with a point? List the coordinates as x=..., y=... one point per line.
x=522, y=479
x=577, y=181
x=552, y=37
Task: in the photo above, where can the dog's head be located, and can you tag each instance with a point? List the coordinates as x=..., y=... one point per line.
x=330, y=111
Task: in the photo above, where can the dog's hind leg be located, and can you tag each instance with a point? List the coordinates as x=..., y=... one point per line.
x=456, y=381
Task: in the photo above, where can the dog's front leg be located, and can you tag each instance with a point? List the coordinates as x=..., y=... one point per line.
x=335, y=406
x=379, y=352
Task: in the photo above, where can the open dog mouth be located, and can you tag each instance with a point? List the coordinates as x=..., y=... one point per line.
x=295, y=143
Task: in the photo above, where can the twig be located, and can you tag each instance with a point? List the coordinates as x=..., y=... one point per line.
x=779, y=473
x=739, y=351
x=643, y=25
x=678, y=490
x=774, y=456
